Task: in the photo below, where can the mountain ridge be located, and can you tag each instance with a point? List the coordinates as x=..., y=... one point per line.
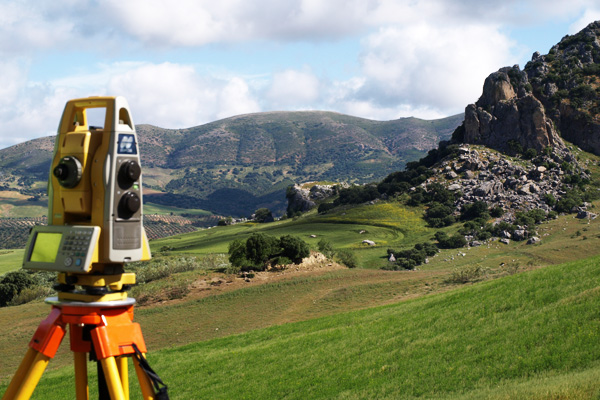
x=236, y=165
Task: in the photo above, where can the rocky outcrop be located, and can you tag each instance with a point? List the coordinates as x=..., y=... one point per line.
x=302, y=198
x=556, y=95
x=507, y=116
x=482, y=174
x=565, y=82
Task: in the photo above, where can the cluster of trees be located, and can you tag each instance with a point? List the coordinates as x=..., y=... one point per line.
x=480, y=229
x=261, y=250
x=411, y=258
x=18, y=287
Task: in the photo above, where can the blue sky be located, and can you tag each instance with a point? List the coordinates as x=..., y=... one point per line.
x=189, y=62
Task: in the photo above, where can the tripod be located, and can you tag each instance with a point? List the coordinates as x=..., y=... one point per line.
x=103, y=329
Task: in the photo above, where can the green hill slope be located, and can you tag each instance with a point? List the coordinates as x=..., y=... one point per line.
x=532, y=335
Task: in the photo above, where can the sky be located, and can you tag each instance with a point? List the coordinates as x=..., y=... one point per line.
x=189, y=62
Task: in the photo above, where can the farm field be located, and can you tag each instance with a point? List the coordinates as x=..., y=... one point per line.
x=16, y=205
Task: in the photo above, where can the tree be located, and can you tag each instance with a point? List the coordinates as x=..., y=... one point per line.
x=293, y=248
x=237, y=253
x=12, y=284
x=261, y=247
x=263, y=215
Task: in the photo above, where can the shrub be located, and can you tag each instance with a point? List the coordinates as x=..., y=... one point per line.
x=478, y=209
x=326, y=248
x=324, y=207
x=530, y=153
x=450, y=242
x=497, y=212
x=281, y=261
x=260, y=247
x=347, y=258
x=293, y=248
x=13, y=283
x=31, y=293
x=439, y=215
x=263, y=215
x=466, y=274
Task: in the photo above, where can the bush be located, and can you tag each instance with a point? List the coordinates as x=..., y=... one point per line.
x=347, y=258
x=324, y=207
x=439, y=215
x=293, y=248
x=450, y=242
x=13, y=283
x=326, y=248
x=261, y=247
x=466, y=274
x=263, y=215
x=478, y=209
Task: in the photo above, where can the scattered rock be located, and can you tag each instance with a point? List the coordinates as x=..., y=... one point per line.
x=369, y=242
x=583, y=214
x=534, y=240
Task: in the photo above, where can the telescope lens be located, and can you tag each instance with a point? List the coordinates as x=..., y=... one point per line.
x=60, y=172
x=68, y=172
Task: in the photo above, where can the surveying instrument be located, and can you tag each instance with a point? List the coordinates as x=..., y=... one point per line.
x=94, y=227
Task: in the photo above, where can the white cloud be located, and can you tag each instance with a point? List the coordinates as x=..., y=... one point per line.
x=426, y=66
x=590, y=15
x=421, y=58
x=175, y=96
x=168, y=95
x=293, y=89
x=235, y=98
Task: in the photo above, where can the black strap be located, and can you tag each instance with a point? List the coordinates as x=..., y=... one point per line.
x=159, y=386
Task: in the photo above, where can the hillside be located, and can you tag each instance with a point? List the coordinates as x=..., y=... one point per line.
x=533, y=335
x=236, y=165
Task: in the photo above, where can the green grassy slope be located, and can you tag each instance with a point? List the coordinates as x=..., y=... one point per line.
x=10, y=260
x=388, y=224
x=532, y=335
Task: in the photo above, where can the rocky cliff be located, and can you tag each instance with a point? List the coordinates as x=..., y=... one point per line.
x=556, y=95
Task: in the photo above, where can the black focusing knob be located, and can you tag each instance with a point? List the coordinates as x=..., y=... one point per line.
x=128, y=205
x=129, y=172
x=68, y=172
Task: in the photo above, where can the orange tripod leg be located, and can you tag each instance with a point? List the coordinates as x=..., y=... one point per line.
x=43, y=347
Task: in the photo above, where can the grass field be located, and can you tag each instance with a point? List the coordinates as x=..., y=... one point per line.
x=10, y=260
x=532, y=335
x=388, y=224
x=152, y=208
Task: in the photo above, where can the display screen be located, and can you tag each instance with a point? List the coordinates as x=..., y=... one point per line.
x=46, y=247
x=126, y=144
